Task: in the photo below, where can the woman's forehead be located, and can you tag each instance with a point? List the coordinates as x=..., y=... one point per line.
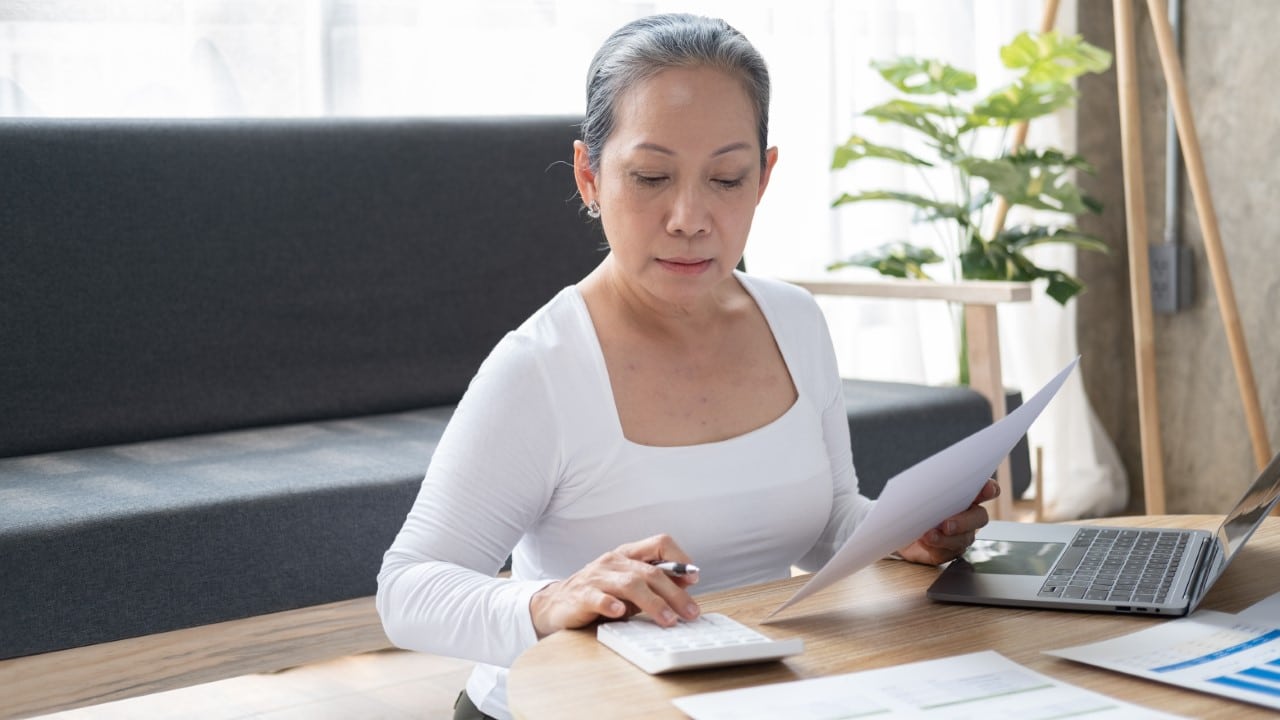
x=677, y=109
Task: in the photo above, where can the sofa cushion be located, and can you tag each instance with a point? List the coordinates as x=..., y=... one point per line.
x=108, y=543
x=895, y=425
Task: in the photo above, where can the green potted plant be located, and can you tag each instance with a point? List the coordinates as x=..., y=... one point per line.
x=936, y=104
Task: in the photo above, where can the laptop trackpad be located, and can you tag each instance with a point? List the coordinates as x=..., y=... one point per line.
x=1006, y=564
x=1013, y=557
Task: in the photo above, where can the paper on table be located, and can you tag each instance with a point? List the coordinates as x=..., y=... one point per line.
x=929, y=492
x=980, y=685
x=1213, y=652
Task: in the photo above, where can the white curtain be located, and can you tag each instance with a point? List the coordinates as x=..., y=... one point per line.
x=211, y=58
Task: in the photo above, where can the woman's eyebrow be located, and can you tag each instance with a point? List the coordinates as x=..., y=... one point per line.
x=731, y=147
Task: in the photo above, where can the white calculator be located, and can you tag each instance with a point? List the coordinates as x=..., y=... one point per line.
x=711, y=640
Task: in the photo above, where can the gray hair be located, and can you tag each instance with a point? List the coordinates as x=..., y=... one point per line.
x=643, y=48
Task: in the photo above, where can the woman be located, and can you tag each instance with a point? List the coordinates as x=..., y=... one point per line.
x=666, y=408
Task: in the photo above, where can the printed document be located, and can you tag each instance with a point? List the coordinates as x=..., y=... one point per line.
x=981, y=686
x=929, y=492
x=1229, y=655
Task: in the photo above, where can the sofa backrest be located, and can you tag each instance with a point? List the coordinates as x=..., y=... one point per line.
x=169, y=277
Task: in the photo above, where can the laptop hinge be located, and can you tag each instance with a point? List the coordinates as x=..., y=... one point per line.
x=1195, y=587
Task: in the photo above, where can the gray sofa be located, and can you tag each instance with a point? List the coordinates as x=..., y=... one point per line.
x=228, y=348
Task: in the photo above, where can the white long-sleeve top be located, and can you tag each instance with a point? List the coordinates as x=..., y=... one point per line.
x=534, y=463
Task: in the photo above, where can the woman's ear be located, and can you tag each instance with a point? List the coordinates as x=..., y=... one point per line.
x=582, y=173
x=770, y=159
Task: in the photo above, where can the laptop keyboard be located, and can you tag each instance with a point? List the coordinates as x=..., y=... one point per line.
x=1135, y=566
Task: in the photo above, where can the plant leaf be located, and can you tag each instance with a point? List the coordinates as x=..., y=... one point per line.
x=1035, y=178
x=1002, y=175
x=900, y=259
x=1025, y=236
x=930, y=209
x=1052, y=57
x=1002, y=258
x=858, y=147
x=980, y=200
x=1021, y=101
x=916, y=76
x=914, y=116
x=1063, y=287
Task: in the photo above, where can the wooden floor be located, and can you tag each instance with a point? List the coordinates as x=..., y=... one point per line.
x=388, y=685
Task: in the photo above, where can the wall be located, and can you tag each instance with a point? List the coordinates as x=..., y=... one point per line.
x=1230, y=57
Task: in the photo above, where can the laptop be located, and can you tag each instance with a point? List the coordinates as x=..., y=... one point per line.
x=1152, y=571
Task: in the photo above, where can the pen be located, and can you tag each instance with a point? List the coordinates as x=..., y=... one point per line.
x=677, y=569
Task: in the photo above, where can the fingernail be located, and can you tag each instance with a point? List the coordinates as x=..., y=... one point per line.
x=668, y=616
x=615, y=607
x=935, y=536
x=691, y=610
x=950, y=527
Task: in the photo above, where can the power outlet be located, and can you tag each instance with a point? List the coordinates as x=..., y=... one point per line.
x=1171, y=277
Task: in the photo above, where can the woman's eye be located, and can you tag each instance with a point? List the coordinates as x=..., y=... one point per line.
x=729, y=184
x=650, y=180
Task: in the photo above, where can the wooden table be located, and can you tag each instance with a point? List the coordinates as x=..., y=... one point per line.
x=877, y=618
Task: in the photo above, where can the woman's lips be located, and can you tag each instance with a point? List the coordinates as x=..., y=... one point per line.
x=685, y=266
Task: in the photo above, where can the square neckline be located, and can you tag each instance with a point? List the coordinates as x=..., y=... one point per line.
x=602, y=372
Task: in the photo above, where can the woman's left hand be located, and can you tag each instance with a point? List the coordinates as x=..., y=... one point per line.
x=952, y=536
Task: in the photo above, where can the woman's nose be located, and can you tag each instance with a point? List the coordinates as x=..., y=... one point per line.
x=689, y=214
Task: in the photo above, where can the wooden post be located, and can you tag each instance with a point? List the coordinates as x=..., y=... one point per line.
x=985, y=377
x=1047, y=21
x=1135, y=206
x=1003, y=509
x=1199, y=181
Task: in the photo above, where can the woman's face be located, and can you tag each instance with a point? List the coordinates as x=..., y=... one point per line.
x=678, y=182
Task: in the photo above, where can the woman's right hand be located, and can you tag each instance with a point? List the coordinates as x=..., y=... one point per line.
x=618, y=584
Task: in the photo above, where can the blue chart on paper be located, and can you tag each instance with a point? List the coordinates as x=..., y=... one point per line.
x=1263, y=678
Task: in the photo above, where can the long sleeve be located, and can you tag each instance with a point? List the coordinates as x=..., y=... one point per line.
x=490, y=479
x=848, y=506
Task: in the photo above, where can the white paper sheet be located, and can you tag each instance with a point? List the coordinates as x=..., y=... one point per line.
x=981, y=686
x=929, y=492
x=1263, y=612
x=1208, y=651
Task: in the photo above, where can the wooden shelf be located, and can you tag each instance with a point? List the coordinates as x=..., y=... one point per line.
x=979, y=292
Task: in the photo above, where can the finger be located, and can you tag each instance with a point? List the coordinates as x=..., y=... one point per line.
x=949, y=543
x=655, y=594
x=605, y=605
x=934, y=539
x=990, y=490
x=657, y=548
x=969, y=520
x=662, y=549
x=671, y=591
x=965, y=521
x=937, y=549
x=687, y=580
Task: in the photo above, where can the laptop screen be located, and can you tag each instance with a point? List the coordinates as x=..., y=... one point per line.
x=1250, y=511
